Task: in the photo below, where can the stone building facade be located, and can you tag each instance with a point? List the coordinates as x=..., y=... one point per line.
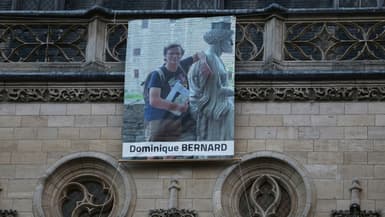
x=310, y=113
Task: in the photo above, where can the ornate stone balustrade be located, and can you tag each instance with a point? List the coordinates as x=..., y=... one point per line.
x=335, y=54
x=273, y=38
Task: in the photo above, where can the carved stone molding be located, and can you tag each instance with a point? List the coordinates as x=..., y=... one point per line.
x=63, y=94
x=8, y=213
x=172, y=213
x=316, y=93
x=257, y=91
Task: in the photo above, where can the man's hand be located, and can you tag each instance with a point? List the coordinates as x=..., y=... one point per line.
x=182, y=107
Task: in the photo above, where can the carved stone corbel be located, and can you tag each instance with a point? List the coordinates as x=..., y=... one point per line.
x=355, y=208
x=173, y=209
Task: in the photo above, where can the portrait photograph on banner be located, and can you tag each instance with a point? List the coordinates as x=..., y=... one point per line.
x=179, y=89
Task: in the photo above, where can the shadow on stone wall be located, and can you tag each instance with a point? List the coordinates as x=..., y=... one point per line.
x=133, y=123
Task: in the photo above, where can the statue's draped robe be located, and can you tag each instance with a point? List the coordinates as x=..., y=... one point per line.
x=211, y=100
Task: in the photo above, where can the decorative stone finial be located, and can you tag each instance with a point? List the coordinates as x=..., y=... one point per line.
x=355, y=194
x=173, y=188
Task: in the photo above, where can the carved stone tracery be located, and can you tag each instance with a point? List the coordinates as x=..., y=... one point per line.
x=335, y=41
x=265, y=198
x=43, y=43
x=264, y=184
x=249, y=41
x=89, y=196
x=116, y=42
x=84, y=184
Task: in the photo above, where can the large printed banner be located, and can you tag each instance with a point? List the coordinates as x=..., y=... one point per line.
x=179, y=89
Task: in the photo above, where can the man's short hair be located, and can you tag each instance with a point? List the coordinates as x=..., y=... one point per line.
x=168, y=47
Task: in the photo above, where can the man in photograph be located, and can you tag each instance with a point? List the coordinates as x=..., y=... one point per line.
x=163, y=115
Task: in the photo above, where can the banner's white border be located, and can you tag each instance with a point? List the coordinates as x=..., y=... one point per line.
x=185, y=148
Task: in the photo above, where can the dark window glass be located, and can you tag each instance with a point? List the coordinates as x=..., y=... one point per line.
x=144, y=24
x=137, y=5
x=37, y=5
x=250, y=4
x=357, y=3
x=136, y=52
x=79, y=4
x=136, y=73
x=5, y=4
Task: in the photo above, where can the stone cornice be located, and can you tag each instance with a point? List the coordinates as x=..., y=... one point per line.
x=278, y=91
x=107, y=12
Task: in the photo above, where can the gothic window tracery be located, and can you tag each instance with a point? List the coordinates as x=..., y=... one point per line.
x=264, y=184
x=265, y=197
x=88, y=196
x=85, y=184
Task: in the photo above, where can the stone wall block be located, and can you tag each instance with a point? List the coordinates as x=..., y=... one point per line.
x=6, y=133
x=266, y=120
x=256, y=145
x=278, y=108
x=376, y=157
x=323, y=120
x=348, y=172
x=27, y=109
x=47, y=133
x=376, y=108
x=242, y=120
x=308, y=133
x=305, y=108
x=53, y=109
x=78, y=109
x=325, y=158
x=355, y=157
x=25, y=133
x=244, y=133
x=10, y=121
x=356, y=108
x=296, y=120
x=253, y=108
x=298, y=145
x=90, y=121
x=287, y=133
x=332, y=108
x=329, y=189
x=29, y=146
x=68, y=133
x=265, y=133
x=355, y=120
x=103, y=109
x=331, y=132
x=61, y=121
x=356, y=132
x=28, y=158
x=89, y=133
x=7, y=109
x=376, y=189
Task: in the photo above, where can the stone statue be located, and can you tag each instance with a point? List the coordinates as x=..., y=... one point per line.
x=211, y=99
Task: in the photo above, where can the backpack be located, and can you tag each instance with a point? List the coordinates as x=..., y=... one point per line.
x=147, y=80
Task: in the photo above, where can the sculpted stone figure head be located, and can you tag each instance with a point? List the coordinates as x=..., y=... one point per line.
x=220, y=36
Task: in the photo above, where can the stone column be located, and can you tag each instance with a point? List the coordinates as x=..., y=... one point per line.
x=96, y=41
x=355, y=194
x=273, y=40
x=173, y=188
